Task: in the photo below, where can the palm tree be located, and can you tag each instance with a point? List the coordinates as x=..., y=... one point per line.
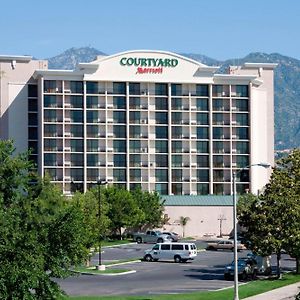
x=183, y=221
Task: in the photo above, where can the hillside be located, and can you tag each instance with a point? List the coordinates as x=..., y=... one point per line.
x=287, y=85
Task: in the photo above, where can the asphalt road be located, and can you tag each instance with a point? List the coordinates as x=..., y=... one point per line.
x=204, y=273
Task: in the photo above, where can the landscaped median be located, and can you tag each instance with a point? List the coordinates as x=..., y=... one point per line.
x=246, y=290
x=91, y=270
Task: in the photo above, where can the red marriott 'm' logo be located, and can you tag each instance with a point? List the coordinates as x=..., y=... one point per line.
x=149, y=70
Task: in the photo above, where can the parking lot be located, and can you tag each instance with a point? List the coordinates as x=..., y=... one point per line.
x=204, y=273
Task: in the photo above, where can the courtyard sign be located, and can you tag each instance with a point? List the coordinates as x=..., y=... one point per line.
x=149, y=65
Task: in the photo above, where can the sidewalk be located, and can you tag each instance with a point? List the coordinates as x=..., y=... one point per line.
x=284, y=293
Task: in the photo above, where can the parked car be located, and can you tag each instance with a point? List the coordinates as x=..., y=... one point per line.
x=174, y=236
x=179, y=252
x=247, y=268
x=224, y=245
x=263, y=263
x=151, y=236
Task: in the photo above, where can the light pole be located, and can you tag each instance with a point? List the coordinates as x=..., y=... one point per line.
x=100, y=266
x=236, y=274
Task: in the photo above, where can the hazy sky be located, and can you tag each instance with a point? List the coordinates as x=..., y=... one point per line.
x=217, y=28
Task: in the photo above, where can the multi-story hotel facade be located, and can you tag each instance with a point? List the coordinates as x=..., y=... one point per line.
x=149, y=119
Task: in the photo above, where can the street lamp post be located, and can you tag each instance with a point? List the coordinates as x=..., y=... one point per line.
x=236, y=274
x=100, y=266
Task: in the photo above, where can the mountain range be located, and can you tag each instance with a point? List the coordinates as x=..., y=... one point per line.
x=287, y=85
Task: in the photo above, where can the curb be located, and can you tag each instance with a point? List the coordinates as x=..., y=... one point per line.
x=123, y=263
x=108, y=274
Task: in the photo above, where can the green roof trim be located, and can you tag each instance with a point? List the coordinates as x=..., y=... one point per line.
x=199, y=200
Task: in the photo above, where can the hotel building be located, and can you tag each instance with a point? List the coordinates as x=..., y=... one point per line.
x=148, y=119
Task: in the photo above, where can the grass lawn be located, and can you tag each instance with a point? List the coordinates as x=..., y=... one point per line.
x=247, y=290
x=115, y=242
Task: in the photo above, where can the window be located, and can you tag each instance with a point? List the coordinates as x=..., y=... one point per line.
x=202, y=104
x=177, y=188
x=177, y=247
x=119, y=145
x=32, y=119
x=202, y=133
x=119, y=160
x=50, y=101
x=134, y=131
x=218, y=161
x=33, y=147
x=176, y=89
x=242, y=90
x=77, y=174
x=76, y=101
x=176, y=103
x=76, y=130
x=242, y=133
x=92, y=160
x=176, y=117
x=161, y=103
x=76, y=87
x=119, y=116
x=135, y=174
x=202, y=161
x=119, y=174
x=50, y=145
x=165, y=247
x=119, y=88
x=92, y=174
x=161, y=188
x=92, y=145
x=32, y=105
x=92, y=117
x=33, y=132
x=92, y=130
x=76, y=159
x=119, y=131
x=242, y=147
x=50, y=116
x=218, y=147
x=202, y=189
x=77, y=145
x=50, y=159
x=91, y=87
x=242, y=161
x=91, y=102
x=218, y=175
x=134, y=117
x=76, y=116
x=119, y=102
x=134, y=146
x=202, y=147
x=161, y=146
x=203, y=175
x=134, y=88
x=49, y=130
x=161, y=132
x=177, y=161
x=218, y=119
x=135, y=186
x=161, y=118
x=218, y=133
x=176, y=146
x=242, y=105
x=135, y=160
x=218, y=105
x=49, y=86
x=32, y=90
x=134, y=102
x=202, y=90
x=242, y=119
x=161, y=89
x=161, y=175
x=161, y=160
x=176, y=132
x=202, y=118
x=177, y=175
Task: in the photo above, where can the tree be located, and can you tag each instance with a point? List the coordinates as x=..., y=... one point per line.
x=123, y=210
x=40, y=233
x=183, y=221
x=151, y=207
x=273, y=219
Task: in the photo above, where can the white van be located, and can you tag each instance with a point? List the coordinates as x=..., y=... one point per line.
x=179, y=252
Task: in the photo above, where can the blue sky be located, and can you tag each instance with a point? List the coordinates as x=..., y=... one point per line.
x=220, y=29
